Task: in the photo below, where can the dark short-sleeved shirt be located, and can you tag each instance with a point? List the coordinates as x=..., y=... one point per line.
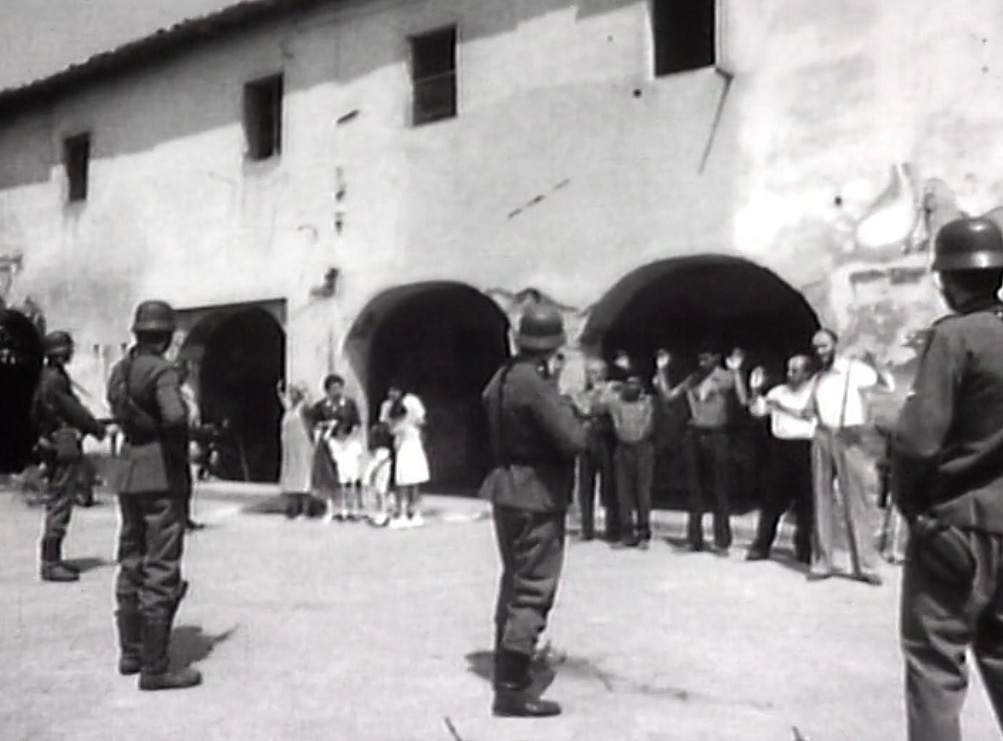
x=947, y=452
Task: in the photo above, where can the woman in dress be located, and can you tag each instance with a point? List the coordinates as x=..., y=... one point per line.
x=297, y=451
x=405, y=414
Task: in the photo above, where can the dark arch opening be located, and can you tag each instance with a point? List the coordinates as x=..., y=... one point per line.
x=244, y=359
x=443, y=341
x=673, y=304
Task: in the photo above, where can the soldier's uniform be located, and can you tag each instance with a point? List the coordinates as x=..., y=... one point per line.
x=62, y=423
x=535, y=437
x=947, y=478
x=152, y=483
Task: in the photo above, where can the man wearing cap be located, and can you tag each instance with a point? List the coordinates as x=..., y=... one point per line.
x=947, y=480
x=62, y=423
x=144, y=392
x=535, y=437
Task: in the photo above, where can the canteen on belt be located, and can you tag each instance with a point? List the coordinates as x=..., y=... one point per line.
x=21, y=359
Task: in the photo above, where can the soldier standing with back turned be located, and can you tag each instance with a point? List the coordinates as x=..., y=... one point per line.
x=535, y=438
x=62, y=424
x=144, y=392
x=947, y=462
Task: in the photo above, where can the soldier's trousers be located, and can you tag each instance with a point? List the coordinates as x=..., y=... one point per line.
x=949, y=606
x=837, y=454
x=150, y=544
x=531, y=545
x=61, y=481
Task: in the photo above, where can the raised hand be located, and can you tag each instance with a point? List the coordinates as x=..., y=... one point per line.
x=736, y=360
x=662, y=360
x=757, y=379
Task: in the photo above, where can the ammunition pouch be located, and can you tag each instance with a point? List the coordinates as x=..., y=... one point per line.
x=62, y=445
x=943, y=551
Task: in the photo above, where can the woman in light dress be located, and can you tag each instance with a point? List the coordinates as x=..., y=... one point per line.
x=297, y=451
x=405, y=415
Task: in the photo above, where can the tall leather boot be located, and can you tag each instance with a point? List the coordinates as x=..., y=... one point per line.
x=155, y=673
x=512, y=685
x=129, y=622
x=52, y=569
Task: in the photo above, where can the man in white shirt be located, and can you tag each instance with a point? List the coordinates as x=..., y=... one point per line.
x=792, y=432
x=841, y=415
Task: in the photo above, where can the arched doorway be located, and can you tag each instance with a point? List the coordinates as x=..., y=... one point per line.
x=442, y=341
x=673, y=304
x=243, y=358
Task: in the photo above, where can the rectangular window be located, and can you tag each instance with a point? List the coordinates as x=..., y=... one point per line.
x=684, y=34
x=263, y=117
x=76, y=161
x=433, y=75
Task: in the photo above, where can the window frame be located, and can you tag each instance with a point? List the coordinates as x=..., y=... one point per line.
x=421, y=112
x=261, y=95
x=77, y=154
x=661, y=60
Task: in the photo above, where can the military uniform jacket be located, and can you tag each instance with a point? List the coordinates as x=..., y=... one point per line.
x=158, y=465
x=947, y=452
x=535, y=436
x=60, y=406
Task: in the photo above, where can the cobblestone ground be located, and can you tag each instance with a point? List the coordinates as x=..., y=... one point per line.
x=309, y=631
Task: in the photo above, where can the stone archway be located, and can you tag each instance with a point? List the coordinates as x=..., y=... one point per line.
x=239, y=356
x=443, y=341
x=673, y=304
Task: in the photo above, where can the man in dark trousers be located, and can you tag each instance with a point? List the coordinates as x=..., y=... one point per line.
x=535, y=437
x=62, y=423
x=633, y=415
x=144, y=393
x=792, y=430
x=947, y=479
x=596, y=463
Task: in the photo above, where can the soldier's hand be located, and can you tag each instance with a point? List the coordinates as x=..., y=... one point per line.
x=735, y=361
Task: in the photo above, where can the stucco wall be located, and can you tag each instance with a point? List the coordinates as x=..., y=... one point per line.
x=567, y=167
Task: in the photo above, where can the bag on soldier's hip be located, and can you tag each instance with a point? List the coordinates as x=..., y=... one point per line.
x=66, y=447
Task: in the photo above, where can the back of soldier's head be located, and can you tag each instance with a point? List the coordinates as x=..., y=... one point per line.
x=154, y=324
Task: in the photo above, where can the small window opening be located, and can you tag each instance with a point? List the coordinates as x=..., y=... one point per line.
x=76, y=161
x=433, y=70
x=684, y=34
x=263, y=117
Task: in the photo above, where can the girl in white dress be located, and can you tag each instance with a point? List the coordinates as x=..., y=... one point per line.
x=405, y=414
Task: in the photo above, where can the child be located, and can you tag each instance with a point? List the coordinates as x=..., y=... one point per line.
x=405, y=415
x=378, y=472
x=346, y=451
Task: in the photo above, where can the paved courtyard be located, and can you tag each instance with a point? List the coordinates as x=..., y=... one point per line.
x=309, y=631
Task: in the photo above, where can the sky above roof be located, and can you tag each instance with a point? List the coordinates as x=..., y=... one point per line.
x=41, y=37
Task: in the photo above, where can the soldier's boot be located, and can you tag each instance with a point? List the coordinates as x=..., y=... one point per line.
x=513, y=683
x=53, y=569
x=129, y=622
x=155, y=673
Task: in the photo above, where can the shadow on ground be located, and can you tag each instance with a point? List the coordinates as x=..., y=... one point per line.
x=190, y=644
x=83, y=565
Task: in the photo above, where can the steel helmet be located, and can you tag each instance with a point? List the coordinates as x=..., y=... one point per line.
x=154, y=316
x=968, y=244
x=57, y=343
x=541, y=328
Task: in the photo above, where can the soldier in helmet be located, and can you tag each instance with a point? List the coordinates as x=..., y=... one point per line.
x=535, y=437
x=62, y=423
x=144, y=392
x=947, y=463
